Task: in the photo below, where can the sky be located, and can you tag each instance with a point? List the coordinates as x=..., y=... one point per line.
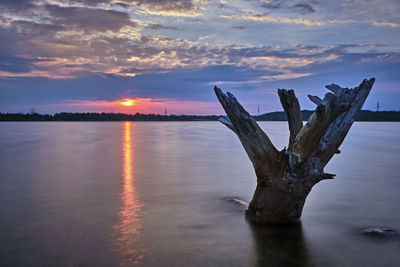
x=91, y=55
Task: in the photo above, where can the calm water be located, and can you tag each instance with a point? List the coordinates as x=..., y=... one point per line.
x=157, y=194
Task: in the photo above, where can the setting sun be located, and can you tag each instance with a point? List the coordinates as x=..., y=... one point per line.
x=128, y=102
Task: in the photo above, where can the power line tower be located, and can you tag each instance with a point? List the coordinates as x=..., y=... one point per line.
x=32, y=111
x=377, y=106
x=165, y=112
x=258, y=110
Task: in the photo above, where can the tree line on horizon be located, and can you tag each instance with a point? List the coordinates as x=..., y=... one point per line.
x=363, y=115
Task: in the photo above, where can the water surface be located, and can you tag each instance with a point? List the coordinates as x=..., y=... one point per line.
x=159, y=194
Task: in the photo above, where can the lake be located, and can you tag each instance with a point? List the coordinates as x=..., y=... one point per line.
x=161, y=194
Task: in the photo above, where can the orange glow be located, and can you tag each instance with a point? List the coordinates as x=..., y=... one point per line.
x=128, y=102
x=145, y=106
x=129, y=247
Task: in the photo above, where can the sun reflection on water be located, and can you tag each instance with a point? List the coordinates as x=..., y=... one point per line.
x=129, y=248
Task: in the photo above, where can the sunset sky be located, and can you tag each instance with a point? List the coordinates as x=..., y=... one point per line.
x=91, y=55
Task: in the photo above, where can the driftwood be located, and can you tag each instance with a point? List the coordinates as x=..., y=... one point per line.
x=285, y=178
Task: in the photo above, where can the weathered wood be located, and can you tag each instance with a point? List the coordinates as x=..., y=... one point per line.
x=255, y=142
x=226, y=121
x=284, y=179
x=338, y=129
x=326, y=129
x=292, y=109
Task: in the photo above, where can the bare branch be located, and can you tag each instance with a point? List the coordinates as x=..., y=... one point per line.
x=329, y=124
x=338, y=129
x=315, y=99
x=292, y=109
x=336, y=89
x=225, y=121
x=258, y=146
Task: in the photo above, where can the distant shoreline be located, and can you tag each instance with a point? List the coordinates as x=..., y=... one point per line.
x=363, y=115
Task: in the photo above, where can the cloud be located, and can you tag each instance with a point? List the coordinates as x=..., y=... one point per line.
x=168, y=5
x=240, y=27
x=16, y=5
x=90, y=2
x=158, y=49
x=272, y=4
x=250, y=73
x=58, y=52
x=249, y=16
x=386, y=23
x=271, y=19
x=36, y=29
x=156, y=26
x=177, y=8
x=12, y=64
x=303, y=7
x=87, y=19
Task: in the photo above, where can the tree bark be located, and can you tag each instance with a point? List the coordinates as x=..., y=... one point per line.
x=285, y=178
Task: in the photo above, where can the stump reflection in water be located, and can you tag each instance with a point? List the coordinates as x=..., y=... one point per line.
x=279, y=245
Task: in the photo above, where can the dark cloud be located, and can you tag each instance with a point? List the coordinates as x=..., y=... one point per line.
x=90, y=86
x=14, y=64
x=352, y=65
x=156, y=26
x=36, y=29
x=240, y=27
x=17, y=4
x=8, y=43
x=17, y=40
x=90, y=2
x=88, y=19
x=14, y=43
x=304, y=7
x=196, y=20
x=274, y=4
x=124, y=5
x=227, y=73
x=156, y=5
x=169, y=5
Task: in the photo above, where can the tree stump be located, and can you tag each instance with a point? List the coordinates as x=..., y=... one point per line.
x=285, y=178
